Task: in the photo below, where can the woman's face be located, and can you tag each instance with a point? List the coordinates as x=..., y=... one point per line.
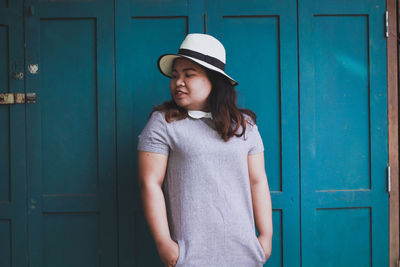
x=189, y=85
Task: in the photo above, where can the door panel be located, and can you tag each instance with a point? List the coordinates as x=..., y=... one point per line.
x=71, y=135
x=145, y=30
x=343, y=133
x=260, y=41
x=13, y=219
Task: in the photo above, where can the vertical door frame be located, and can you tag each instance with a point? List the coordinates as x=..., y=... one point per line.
x=393, y=140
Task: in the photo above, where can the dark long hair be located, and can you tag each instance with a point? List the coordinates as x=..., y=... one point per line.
x=223, y=105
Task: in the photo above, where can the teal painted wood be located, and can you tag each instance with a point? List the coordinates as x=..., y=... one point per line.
x=71, y=129
x=144, y=30
x=71, y=136
x=13, y=219
x=343, y=133
x=261, y=44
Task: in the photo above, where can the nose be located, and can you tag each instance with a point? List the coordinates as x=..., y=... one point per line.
x=179, y=81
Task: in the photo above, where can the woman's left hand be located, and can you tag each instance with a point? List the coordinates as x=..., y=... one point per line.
x=266, y=243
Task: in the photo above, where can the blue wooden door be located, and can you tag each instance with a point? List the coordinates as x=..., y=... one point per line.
x=13, y=217
x=318, y=88
x=144, y=30
x=325, y=132
x=261, y=44
x=71, y=134
x=343, y=133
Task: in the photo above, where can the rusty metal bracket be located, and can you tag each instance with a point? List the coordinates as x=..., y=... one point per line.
x=17, y=98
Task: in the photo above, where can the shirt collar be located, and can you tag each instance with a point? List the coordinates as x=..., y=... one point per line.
x=198, y=114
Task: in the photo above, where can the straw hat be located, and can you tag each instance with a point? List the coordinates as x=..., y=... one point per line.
x=203, y=49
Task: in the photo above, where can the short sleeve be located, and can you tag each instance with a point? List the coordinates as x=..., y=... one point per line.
x=154, y=136
x=254, y=139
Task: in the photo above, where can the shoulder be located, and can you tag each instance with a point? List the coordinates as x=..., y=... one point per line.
x=157, y=116
x=155, y=123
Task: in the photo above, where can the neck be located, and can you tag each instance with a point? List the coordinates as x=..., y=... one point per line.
x=205, y=109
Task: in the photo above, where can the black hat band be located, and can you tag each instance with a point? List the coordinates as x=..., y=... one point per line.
x=210, y=60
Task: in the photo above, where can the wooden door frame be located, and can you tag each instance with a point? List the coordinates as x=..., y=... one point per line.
x=393, y=141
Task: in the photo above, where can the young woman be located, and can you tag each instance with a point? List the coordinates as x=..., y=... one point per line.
x=201, y=166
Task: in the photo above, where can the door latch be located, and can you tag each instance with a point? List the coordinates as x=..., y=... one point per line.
x=387, y=24
x=388, y=179
x=17, y=98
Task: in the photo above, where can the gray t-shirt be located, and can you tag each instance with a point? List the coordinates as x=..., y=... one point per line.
x=207, y=190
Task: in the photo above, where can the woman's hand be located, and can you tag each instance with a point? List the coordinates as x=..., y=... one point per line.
x=266, y=243
x=169, y=252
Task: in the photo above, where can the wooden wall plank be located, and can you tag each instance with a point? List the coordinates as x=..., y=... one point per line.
x=393, y=140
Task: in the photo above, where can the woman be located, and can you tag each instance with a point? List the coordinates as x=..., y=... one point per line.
x=201, y=166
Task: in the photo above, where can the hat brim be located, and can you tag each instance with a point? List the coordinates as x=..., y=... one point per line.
x=166, y=61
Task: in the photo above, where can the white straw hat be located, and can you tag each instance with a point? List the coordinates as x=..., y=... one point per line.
x=203, y=49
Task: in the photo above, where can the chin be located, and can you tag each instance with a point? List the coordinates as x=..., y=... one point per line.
x=180, y=105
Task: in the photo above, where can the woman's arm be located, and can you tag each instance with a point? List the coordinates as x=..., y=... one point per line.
x=261, y=201
x=152, y=167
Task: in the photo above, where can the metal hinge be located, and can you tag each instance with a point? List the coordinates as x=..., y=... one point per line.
x=387, y=24
x=17, y=98
x=388, y=179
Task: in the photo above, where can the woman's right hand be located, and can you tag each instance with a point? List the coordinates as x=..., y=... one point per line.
x=169, y=252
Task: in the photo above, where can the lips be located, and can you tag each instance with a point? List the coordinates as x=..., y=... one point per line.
x=180, y=93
